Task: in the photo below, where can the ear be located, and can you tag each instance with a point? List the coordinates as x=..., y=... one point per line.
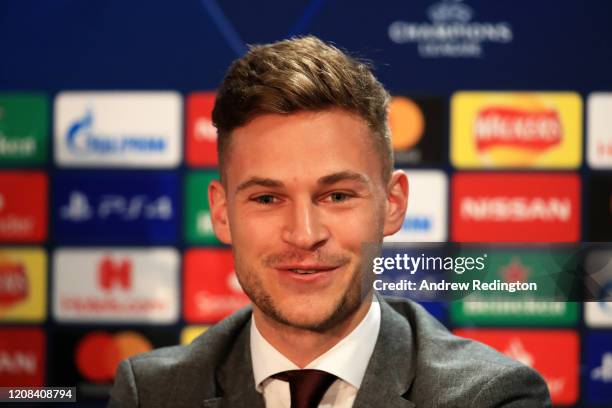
x=397, y=202
x=217, y=200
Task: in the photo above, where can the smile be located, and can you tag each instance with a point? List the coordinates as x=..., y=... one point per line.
x=304, y=271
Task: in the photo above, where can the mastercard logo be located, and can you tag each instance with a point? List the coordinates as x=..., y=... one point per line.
x=99, y=353
x=406, y=122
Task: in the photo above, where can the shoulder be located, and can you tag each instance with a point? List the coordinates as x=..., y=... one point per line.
x=458, y=369
x=153, y=375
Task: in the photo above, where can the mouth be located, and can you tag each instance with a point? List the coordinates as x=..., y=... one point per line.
x=307, y=270
x=312, y=267
x=304, y=271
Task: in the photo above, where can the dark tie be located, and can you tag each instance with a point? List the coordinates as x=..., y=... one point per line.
x=307, y=386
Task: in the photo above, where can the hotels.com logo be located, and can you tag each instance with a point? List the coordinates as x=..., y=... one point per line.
x=515, y=207
x=99, y=353
x=503, y=126
x=534, y=349
x=21, y=357
x=112, y=274
x=118, y=285
x=14, y=286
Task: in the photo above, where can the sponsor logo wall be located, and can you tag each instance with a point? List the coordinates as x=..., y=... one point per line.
x=129, y=261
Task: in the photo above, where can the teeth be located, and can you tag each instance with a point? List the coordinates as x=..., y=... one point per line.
x=303, y=271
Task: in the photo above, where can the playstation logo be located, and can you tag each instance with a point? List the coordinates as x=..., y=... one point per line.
x=78, y=208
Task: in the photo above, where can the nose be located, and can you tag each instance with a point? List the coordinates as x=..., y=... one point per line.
x=304, y=228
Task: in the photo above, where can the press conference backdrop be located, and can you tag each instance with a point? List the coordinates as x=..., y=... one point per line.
x=502, y=117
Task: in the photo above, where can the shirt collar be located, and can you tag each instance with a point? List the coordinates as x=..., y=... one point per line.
x=347, y=360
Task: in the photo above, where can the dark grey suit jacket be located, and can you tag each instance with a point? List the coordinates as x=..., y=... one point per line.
x=416, y=363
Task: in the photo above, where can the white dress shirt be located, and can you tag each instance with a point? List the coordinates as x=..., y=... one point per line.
x=347, y=360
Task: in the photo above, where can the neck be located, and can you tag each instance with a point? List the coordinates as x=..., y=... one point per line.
x=302, y=346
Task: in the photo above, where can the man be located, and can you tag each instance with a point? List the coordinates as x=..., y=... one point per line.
x=306, y=180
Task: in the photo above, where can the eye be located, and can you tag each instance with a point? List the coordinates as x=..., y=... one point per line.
x=338, y=197
x=265, y=199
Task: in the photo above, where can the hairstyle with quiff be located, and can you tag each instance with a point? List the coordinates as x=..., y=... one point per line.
x=300, y=74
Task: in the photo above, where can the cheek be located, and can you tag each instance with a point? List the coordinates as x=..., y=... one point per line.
x=253, y=230
x=359, y=228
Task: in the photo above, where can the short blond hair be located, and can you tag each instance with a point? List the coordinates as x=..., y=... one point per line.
x=301, y=74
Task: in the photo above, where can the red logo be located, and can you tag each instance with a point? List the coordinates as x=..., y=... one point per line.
x=23, y=207
x=553, y=353
x=99, y=353
x=14, y=285
x=515, y=271
x=201, y=145
x=516, y=207
x=212, y=291
x=513, y=127
x=113, y=274
x=22, y=357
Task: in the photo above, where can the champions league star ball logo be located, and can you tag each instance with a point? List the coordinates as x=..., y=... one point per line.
x=451, y=32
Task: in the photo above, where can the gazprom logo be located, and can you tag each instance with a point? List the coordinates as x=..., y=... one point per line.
x=417, y=223
x=82, y=138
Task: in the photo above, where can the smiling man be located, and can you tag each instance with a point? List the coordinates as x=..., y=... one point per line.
x=307, y=180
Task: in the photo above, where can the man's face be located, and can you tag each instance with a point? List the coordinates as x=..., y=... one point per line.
x=302, y=193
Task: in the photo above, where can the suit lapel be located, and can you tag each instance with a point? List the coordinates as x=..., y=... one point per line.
x=391, y=368
x=236, y=381
x=217, y=371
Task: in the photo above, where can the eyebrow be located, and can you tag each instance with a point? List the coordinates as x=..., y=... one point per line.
x=323, y=181
x=343, y=176
x=261, y=182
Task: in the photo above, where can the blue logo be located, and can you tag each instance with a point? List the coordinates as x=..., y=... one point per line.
x=137, y=208
x=416, y=223
x=599, y=370
x=80, y=138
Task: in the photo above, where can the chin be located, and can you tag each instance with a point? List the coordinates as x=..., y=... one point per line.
x=315, y=317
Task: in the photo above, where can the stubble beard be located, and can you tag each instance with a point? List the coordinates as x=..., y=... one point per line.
x=358, y=289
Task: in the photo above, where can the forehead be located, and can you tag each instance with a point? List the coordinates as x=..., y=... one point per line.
x=302, y=147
